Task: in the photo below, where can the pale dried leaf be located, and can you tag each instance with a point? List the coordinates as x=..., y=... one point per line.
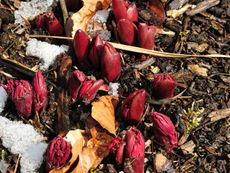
x=219, y=114
x=198, y=47
x=198, y=70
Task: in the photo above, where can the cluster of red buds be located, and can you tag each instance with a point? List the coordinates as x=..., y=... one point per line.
x=164, y=131
x=126, y=14
x=101, y=54
x=23, y=95
x=130, y=151
x=58, y=153
x=80, y=87
x=48, y=21
x=133, y=106
x=163, y=86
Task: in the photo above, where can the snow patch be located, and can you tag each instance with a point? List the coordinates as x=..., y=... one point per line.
x=3, y=166
x=29, y=10
x=32, y=159
x=95, y=25
x=45, y=51
x=16, y=136
x=114, y=88
x=3, y=98
x=24, y=140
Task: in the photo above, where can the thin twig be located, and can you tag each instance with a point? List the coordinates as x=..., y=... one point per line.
x=202, y=6
x=17, y=163
x=142, y=50
x=64, y=10
x=165, y=101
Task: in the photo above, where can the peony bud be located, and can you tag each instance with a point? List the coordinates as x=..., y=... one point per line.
x=146, y=36
x=119, y=9
x=96, y=51
x=58, y=153
x=40, y=21
x=164, y=131
x=50, y=22
x=40, y=92
x=75, y=82
x=20, y=92
x=158, y=11
x=124, y=10
x=126, y=31
x=133, y=106
x=132, y=13
x=131, y=150
x=89, y=89
x=81, y=46
x=110, y=62
x=53, y=25
x=117, y=147
x=163, y=86
x=134, y=151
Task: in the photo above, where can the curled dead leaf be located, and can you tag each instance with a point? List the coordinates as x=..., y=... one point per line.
x=80, y=19
x=103, y=111
x=89, y=148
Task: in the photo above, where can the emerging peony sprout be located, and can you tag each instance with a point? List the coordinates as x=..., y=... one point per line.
x=135, y=151
x=80, y=87
x=20, y=92
x=163, y=86
x=40, y=92
x=58, y=153
x=117, y=147
x=146, y=35
x=81, y=44
x=89, y=89
x=110, y=63
x=96, y=51
x=126, y=31
x=50, y=23
x=130, y=150
x=164, y=131
x=133, y=106
x=124, y=10
x=74, y=84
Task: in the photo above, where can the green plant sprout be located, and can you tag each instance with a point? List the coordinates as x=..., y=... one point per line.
x=192, y=117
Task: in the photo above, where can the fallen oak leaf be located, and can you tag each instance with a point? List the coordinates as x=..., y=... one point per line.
x=80, y=19
x=103, y=111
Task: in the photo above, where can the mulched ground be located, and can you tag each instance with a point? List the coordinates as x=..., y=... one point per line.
x=210, y=151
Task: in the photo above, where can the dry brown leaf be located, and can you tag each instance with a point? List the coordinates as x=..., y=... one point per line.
x=103, y=111
x=80, y=19
x=198, y=70
x=96, y=149
x=89, y=148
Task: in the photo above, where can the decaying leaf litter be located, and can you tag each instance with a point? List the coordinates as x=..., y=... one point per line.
x=198, y=108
